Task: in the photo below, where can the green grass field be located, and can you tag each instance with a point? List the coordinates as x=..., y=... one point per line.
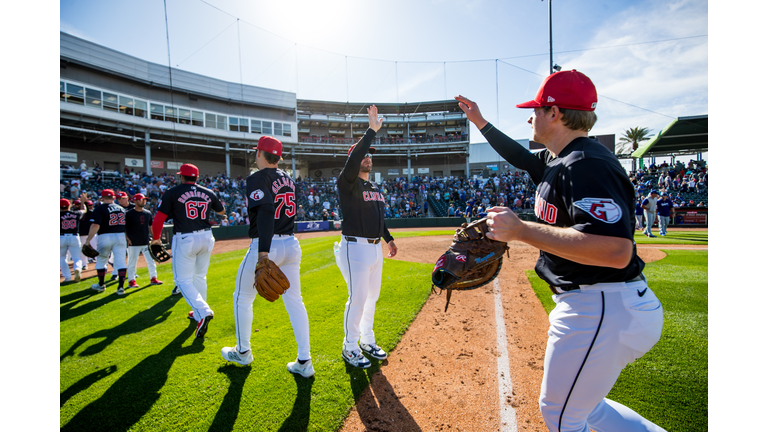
x=681, y=237
x=133, y=363
x=668, y=385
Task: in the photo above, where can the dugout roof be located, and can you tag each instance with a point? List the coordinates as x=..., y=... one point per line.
x=683, y=135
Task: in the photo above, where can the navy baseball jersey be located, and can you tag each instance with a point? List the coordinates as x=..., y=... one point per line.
x=110, y=218
x=663, y=208
x=362, y=202
x=271, y=187
x=85, y=223
x=137, y=226
x=600, y=203
x=70, y=222
x=188, y=204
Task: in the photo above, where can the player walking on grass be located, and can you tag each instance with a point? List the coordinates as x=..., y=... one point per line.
x=85, y=226
x=359, y=256
x=138, y=221
x=69, y=223
x=271, y=196
x=605, y=315
x=187, y=204
x=108, y=221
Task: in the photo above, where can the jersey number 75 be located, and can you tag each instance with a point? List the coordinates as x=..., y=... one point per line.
x=287, y=199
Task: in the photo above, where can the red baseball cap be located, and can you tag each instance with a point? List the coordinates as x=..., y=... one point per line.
x=566, y=89
x=139, y=196
x=122, y=195
x=64, y=203
x=371, y=150
x=77, y=202
x=108, y=193
x=270, y=145
x=89, y=202
x=188, y=170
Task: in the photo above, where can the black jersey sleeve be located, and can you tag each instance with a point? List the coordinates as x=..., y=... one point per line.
x=352, y=167
x=258, y=191
x=599, y=202
x=387, y=236
x=514, y=153
x=265, y=223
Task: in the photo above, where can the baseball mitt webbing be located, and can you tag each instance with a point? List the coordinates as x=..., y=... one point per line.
x=89, y=251
x=473, y=260
x=159, y=253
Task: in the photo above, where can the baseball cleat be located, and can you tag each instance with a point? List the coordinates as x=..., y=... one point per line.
x=175, y=291
x=99, y=288
x=191, y=315
x=231, y=354
x=120, y=291
x=355, y=358
x=374, y=351
x=77, y=275
x=202, y=326
x=154, y=281
x=132, y=284
x=113, y=278
x=306, y=370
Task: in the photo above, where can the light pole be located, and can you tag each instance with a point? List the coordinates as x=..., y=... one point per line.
x=551, y=64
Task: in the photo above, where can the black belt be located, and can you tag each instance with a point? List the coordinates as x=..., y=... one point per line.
x=554, y=290
x=354, y=239
x=195, y=231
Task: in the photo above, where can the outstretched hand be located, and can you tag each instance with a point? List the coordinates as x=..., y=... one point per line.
x=472, y=111
x=374, y=122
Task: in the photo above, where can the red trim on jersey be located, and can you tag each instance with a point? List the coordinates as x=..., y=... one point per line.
x=157, y=225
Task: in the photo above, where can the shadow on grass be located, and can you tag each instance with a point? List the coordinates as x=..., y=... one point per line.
x=299, y=418
x=84, y=383
x=378, y=406
x=67, y=312
x=135, y=324
x=136, y=392
x=230, y=406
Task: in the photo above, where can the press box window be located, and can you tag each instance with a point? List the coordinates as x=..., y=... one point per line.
x=92, y=98
x=185, y=116
x=197, y=118
x=286, y=129
x=266, y=128
x=256, y=126
x=221, y=122
x=171, y=114
x=140, y=108
x=62, y=91
x=156, y=112
x=75, y=94
x=210, y=120
x=126, y=105
x=109, y=101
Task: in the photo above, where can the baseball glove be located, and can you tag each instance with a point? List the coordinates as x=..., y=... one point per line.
x=270, y=281
x=89, y=251
x=472, y=261
x=159, y=253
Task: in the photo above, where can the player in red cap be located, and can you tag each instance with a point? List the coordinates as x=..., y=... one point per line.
x=605, y=315
x=108, y=221
x=138, y=222
x=188, y=204
x=85, y=226
x=69, y=241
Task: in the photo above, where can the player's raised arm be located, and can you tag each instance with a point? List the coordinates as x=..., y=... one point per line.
x=352, y=166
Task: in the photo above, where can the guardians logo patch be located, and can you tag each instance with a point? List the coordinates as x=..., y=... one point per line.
x=603, y=209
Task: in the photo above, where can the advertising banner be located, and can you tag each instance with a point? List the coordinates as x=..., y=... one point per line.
x=312, y=226
x=68, y=157
x=156, y=164
x=134, y=163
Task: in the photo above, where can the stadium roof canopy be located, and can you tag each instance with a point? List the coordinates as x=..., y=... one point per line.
x=684, y=135
x=348, y=108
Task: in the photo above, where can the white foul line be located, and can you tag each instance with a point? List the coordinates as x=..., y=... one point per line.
x=507, y=414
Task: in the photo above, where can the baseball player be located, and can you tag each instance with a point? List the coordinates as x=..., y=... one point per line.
x=69, y=241
x=649, y=210
x=187, y=204
x=271, y=196
x=638, y=216
x=138, y=221
x=85, y=226
x=124, y=202
x=606, y=316
x=664, y=207
x=359, y=256
x=108, y=221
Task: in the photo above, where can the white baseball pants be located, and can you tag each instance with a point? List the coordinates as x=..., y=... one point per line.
x=133, y=259
x=361, y=264
x=94, y=244
x=191, y=256
x=650, y=218
x=69, y=243
x=113, y=243
x=286, y=253
x=663, y=223
x=594, y=333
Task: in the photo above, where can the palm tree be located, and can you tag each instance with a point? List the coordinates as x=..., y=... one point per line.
x=631, y=140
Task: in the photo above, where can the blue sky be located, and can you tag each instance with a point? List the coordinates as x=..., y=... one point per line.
x=410, y=51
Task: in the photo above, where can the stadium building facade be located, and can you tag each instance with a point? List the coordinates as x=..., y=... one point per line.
x=123, y=112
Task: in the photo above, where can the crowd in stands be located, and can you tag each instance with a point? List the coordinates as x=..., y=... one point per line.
x=686, y=184
x=407, y=197
x=420, y=138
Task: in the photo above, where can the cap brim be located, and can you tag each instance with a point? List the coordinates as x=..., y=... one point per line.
x=371, y=150
x=529, y=104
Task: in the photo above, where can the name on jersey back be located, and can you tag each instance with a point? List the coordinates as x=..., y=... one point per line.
x=194, y=194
